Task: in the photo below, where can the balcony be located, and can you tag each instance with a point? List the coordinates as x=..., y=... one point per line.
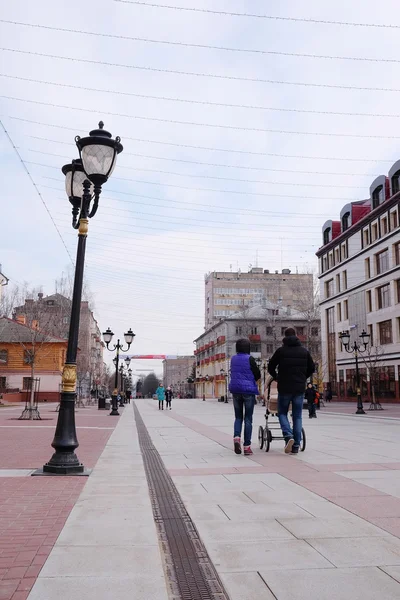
x=221, y=339
x=255, y=338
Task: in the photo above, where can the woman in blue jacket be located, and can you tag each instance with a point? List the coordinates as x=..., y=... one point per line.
x=160, y=393
x=243, y=386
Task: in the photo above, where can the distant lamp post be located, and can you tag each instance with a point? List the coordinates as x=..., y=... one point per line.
x=84, y=178
x=205, y=379
x=262, y=365
x=107, y=337
x=356, y=349
x=225, y=376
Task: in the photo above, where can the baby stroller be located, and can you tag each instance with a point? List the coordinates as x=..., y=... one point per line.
x=269, y=432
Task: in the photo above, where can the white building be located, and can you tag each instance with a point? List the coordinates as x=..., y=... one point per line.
x=227, y=292
x=359, y=265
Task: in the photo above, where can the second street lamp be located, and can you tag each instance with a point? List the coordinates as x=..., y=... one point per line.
x=355, y=349
x=107, y=337
x=83, y=180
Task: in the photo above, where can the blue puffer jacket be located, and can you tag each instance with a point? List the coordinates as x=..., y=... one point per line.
x=160, y=392
x=242, y=378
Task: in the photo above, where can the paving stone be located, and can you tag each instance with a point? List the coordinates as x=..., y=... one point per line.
x=355, y=552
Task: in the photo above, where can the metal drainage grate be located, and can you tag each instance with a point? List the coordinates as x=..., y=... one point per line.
x=191, y=574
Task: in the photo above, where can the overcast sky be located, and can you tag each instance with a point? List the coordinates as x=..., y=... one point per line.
x=189, y=198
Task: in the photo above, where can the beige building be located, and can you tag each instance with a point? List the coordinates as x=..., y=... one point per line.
x=227, y=292
x=176, y=372
x=360, y=290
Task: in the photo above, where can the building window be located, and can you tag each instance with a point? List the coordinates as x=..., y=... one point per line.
x=269, y=331
x=346, y=309
x=377, y=196
x=270, y=348
x=324, y=264
x=385, y=332
x=3, y=357
x=254, y=331
x=27, y=358
x=394, y=223
x=345, y=221
x=374, y=235
x=396, y=182
x=397, y=286
x=299, y=330
x=384, y=226
x=238, y=331
x=337, y=256
x=383, y=295
x=371, y=335
x=26, y=383
x=3, y=383
x=367, y=268
x=283, y=329
x=327, y=235
x=329, y=288
x=50, y=302
x=396, y=248
x=339, y=311
x=337, y=284
x=314, y=331
x=344, y=280
x=369, y=300
x=255, y=347
x=382, y=261
x=366, y=237
x=344, y=251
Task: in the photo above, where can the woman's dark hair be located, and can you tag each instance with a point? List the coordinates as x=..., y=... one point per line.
x=243, y=346
x=289, y=332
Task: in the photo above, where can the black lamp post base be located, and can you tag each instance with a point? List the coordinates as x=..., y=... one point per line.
x=84, y=473
x=114, y=407
x=360, y=411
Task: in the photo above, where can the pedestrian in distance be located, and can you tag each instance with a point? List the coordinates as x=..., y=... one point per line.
x=243, y=387
x=168, y=397
x=328, y=395
x=291, y=366
x=311, y=397
x=160, y=393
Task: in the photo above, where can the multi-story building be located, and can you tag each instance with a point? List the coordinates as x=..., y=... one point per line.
x=359, y=266
x=52, y=313
x=177, y=371
x=227, y=292
x=265, y=326
x=25, y=351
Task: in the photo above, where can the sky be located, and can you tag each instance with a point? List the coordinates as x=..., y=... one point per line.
x=232, y=156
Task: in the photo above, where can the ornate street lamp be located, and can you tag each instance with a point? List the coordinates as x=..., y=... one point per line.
x=107, y=337
x=206, y=378
x=355, y=349
x=83, y=180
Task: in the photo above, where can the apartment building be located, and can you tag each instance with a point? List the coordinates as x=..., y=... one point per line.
x=227, y=292
x=264, y=325
x=359, y=265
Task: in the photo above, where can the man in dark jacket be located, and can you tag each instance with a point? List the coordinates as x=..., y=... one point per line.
x=243, y=386
x=295, y=366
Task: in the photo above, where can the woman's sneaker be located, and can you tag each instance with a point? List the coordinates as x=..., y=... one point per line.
x=237, y=445
x=247, y=451
x=289, y=445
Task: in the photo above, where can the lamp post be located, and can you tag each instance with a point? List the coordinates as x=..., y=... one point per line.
x=206, y=378
x=124, y=379
x=225, y=376
x=84, y=178
x=355, y=349
x=107, y=336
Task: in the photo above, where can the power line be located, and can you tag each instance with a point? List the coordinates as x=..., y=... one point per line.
x=258, y=16
x=200, y=46
x=206, y=164
x=194, y=74
x=36, y=188
x=202, y=102
x=211, y=125
x=210, y=148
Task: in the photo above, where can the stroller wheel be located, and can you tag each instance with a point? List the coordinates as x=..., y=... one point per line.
x=261, y=437
x=268, y=438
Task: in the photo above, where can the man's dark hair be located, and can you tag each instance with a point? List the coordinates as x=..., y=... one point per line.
x=243, y=346
x=289, y=332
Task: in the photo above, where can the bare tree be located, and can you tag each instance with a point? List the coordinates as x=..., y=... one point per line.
x=372, y=360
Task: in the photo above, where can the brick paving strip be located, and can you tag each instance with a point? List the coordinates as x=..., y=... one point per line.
x=33, y=510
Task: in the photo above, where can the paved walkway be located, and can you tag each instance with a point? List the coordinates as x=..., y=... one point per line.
x=323, y=524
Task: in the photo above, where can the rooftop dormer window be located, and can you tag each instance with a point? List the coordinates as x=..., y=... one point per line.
x=327, y=235
x=345, y=221
x=396, y=182
x=377, y=196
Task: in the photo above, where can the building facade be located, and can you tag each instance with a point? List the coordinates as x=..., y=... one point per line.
x=265, y=326
x=176, y=372
x=359, y=266
x=19, y=347
x=52, y=313
x=228, y=292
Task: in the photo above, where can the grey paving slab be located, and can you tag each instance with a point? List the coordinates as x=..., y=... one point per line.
x=355, y=552
x=285, y=555
x=332, y=528
x=210, y=512
x=332, y=584
x=246, y=586
x=15, y=472
x=223, y=497
x=231, y=531
x=393, y=572
x=291, y=494
x=95, y=561
x=323, y=510
x=259, y=512
x=140, y=587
